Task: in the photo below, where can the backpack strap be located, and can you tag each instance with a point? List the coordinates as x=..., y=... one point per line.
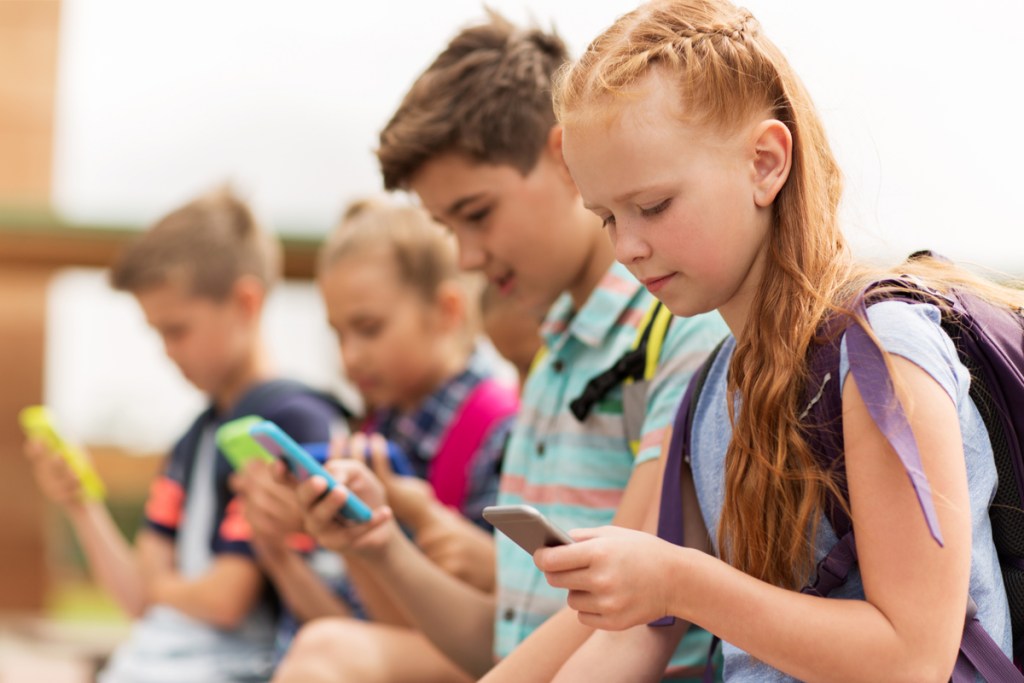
x=979, y=654
x=867, y=365
x=633, y=365
x=488, y=404
x=670, y=511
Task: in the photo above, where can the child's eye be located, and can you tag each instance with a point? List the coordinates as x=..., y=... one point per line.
x=369, y=330
x=656, y=209
x=479, y=215
x=608, y=221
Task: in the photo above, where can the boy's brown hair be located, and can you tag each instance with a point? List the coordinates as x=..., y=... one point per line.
x=207, y=244
x=488, y=96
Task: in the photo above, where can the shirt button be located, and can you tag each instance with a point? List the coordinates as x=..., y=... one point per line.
x=540, y=448
x=558, y=365
x=509, y=614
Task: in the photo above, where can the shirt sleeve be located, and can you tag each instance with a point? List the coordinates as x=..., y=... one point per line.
x=688, y=343
x=914, y=332
x=165, y=505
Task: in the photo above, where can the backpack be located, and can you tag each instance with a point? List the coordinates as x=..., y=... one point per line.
x=487, y=406
x=990, y=342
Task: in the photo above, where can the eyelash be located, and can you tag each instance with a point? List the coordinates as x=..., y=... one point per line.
x=646, y=213
x=479, y=215
x=656, y=209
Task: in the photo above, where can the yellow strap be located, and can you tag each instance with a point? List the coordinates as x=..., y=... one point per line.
x=537, y=358
x=656, y=341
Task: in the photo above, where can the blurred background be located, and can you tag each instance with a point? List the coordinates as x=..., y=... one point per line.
x=112, y=112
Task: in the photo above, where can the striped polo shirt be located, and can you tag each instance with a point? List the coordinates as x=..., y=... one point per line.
x=575, y=472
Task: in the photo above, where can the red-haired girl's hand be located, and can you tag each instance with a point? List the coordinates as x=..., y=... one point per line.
x=617, y=578
x=320, y=509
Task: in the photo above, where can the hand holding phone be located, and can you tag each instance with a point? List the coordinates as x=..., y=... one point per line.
x=303, y=465
x=37, y=423
x=525, y=525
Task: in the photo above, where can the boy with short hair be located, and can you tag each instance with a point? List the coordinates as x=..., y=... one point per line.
x=475, y=139
x=201, y=275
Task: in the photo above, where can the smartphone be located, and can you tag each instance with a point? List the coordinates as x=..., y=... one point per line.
x=303, y=465
x=525, y=525
x=38, y=424
x=238, y=445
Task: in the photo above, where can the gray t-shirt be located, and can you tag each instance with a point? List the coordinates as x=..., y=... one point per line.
x=911, y=331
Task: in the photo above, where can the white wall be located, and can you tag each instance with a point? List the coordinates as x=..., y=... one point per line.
x=162, y=98
x=158, y=100
x=109, y=382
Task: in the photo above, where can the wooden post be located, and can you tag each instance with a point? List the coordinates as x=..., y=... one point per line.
x=29, y=31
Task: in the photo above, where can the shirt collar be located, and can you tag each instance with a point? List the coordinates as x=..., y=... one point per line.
x=602, y=309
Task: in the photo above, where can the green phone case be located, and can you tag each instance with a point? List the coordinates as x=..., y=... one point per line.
x=238, y=446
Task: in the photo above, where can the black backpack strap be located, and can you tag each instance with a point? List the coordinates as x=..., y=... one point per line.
x=629, y=366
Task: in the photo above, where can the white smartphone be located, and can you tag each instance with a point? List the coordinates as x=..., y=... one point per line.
x=526, y=526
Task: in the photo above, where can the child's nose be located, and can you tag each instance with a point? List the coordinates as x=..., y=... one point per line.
x=472, y=255
x=628, y=245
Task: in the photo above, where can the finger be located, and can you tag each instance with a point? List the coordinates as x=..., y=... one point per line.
x=572, y=580
x=563, y=558
x=324, y=512
x=348, y=472
x=281, y=474
x=357, y=447
x=310, y=491
x=336, y=447
x=378, y=452
x=36, y=451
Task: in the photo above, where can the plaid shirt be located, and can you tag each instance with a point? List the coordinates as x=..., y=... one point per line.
x=419, y=434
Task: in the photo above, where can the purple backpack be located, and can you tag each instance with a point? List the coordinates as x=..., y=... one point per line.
x=990, y=343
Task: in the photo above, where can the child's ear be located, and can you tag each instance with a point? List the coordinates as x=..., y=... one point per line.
x=248, y=294
x=451, y=303
x=772, y=156
x=553, y=150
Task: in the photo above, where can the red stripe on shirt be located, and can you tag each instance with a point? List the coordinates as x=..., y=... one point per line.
x=165, y=503
x=235, y=526
x=560, y=494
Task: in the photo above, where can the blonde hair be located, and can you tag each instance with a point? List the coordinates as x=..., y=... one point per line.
x=209, y=243
x=422, y=251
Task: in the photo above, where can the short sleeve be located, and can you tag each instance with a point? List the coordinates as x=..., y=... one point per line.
x=688, y=343
x=914, y=331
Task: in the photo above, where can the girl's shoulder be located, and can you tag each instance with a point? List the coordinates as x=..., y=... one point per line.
x=914, y=331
